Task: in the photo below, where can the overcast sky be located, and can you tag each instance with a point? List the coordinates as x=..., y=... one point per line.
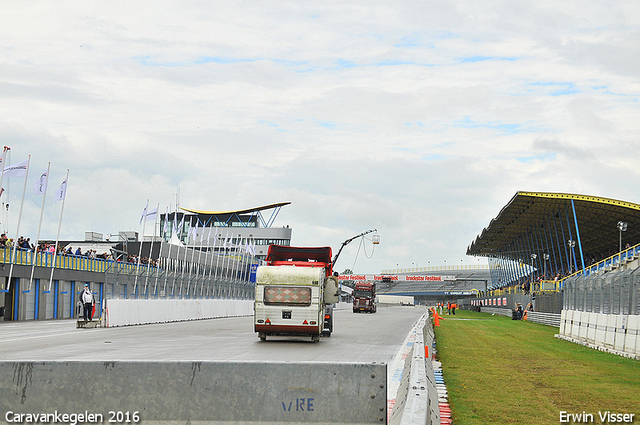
x=420, y=119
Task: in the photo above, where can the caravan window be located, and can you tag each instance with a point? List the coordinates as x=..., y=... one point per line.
x=287, y=295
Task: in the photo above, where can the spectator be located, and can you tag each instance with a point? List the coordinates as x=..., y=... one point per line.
x=78, y=252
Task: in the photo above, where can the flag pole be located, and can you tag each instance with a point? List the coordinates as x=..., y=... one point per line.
x=184, y=258
x=166, y=216
x=60, y=195
x=193, y=255
x=44, y=196
x=213, y=253
x=204, y=226
x=3, y=160
x=204, y=266
x=177, y=262
x=142, y=219
x=146, y=283
x=15, y=241
x=169, y=261
x=225, y=273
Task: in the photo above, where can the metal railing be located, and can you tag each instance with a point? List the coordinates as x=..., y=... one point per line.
x=45, y=259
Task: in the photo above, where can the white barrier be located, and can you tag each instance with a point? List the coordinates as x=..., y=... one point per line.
x=412, y=394
x=613, y=333
x=124, y=312
x=223, y=393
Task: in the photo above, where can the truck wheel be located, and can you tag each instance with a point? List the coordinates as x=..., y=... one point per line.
x=262, y=336
x=315, y=338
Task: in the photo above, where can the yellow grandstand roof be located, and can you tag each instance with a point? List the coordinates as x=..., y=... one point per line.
x=245, y=211
x=550, y=219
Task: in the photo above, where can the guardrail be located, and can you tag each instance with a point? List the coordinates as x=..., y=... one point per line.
x=66, y=261
x=549, y=319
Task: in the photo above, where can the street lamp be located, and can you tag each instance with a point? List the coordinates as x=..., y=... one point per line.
x=622, y=227
x=546, y=258
x=533, y=257
x=572, y=244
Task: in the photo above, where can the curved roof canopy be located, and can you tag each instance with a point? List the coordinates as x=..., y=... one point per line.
x=543, y=222
x=245, y=211
x=241, y=216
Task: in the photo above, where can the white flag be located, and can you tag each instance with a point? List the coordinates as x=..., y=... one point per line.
x=202, y=235
x=151, y=215
x=180, y=226
x=193, y=232
x=40, y=186
x=144, y=212
x=17, y=170
x=3, y=156
x=62, y=192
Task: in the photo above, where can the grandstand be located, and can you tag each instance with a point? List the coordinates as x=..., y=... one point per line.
x=441, y=285
x=542, y=236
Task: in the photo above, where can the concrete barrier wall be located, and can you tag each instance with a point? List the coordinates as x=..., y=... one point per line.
x=123, y=312
x=416, y=400
x=193, y=392
x=614, y=333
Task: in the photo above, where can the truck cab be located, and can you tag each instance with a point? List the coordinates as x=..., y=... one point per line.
x=364, y=297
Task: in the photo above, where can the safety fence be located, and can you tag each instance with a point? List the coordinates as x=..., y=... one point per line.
x=36, y=291
x=602, y=311
x=185, y=272
x=610, y=293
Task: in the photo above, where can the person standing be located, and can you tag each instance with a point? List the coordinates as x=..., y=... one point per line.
x=87, y=302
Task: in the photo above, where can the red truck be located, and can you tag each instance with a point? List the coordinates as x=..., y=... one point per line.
x=364, y=297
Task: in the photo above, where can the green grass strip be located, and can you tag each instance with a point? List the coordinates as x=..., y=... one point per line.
x=503, y=371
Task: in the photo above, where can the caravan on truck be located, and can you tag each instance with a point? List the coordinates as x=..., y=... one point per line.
x=295, y=291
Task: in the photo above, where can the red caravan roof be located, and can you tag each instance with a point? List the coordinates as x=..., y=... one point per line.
x=299, y=256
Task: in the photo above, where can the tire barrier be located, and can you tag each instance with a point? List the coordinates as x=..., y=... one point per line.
x=192, y=392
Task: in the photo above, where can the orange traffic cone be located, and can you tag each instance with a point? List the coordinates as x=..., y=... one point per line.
x=436, y=318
